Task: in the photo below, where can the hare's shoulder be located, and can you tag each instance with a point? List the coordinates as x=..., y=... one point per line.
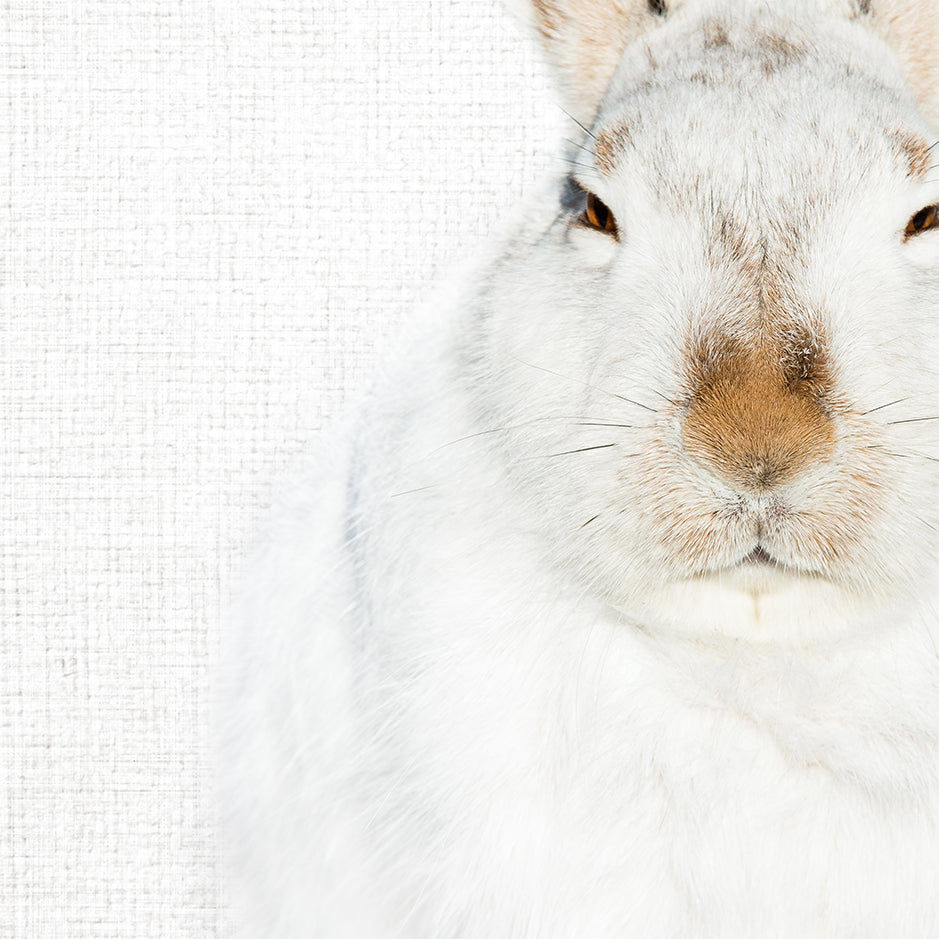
x=285, y=708
x=288, y=625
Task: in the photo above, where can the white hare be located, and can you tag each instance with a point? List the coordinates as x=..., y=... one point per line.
x=614, y=614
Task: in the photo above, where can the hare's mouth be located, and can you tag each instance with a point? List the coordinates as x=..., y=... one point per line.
x=759, y=557
x=761, y=565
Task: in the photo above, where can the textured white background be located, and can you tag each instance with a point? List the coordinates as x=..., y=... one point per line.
x=211, y=214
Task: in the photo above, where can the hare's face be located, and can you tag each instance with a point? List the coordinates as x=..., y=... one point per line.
x=719, y=362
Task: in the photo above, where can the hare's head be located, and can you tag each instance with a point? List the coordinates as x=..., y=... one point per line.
x=713, y=355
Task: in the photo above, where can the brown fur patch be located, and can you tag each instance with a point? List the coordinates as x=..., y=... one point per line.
x=703, y=77
x=781, y=48
x=715, y=35
x=734, y=243
x=777, y=52
x=761, y=389
x=610, y=145
x=915, y=153
x=758, y=414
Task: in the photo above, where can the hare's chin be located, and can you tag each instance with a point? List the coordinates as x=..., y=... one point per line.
x=759, y=571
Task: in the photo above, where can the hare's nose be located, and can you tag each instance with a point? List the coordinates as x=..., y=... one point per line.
x=757, y=416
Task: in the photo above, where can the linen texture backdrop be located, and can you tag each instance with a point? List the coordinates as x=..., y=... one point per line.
x=213, y=214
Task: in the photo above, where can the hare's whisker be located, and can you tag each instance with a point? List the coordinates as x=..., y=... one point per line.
x=602, y=446
x=580, y=146
x=586, y=384
x=638, y=404
x=880, y=407
x=664, y=397
x=912, y=456
x=602, y=424
x=572, y=420
x=585, y=165
x=586, y=130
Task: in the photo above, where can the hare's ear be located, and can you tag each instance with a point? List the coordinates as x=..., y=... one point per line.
x=584, y=40
x=911, y=29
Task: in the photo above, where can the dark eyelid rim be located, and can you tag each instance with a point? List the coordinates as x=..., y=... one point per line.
x=573, y=194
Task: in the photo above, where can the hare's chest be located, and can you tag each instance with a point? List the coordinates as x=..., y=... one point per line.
x=714, y=832
x=576, y=779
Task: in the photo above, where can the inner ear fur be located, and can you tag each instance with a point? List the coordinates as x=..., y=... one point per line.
x=911, y=29
x=584, y=40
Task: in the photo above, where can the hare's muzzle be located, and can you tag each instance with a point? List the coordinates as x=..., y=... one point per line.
x=758, y=412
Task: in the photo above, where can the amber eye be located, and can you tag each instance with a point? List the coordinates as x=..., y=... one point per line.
x=923, y=220
x=598, y=216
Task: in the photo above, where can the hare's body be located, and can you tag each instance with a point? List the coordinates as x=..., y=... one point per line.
x=527, y=763
x=615, y=612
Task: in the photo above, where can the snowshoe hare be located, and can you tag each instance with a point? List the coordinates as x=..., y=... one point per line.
x=614, y=611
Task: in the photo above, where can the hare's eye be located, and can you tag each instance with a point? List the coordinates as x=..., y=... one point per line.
x=924, y=220
x=597, y=215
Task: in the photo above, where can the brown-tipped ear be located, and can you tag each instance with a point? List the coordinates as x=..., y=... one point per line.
x=911, y=29
x=584, y=40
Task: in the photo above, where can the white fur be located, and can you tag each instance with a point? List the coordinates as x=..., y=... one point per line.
x=475, y=692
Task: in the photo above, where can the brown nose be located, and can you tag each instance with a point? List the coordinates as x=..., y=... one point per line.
x=757, y=415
